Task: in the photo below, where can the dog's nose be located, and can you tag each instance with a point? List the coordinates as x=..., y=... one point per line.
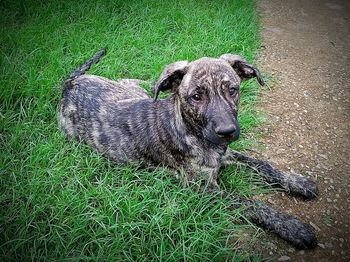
x=225, y=130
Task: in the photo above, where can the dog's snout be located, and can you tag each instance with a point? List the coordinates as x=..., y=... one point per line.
x=225, y=130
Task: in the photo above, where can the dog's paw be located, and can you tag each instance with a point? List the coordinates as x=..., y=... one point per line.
x=289, y=228
x=300, y=186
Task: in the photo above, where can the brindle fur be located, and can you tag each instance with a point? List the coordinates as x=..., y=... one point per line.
x=189, y=131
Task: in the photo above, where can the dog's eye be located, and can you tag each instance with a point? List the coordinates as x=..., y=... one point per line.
x=196, y=97
x=233, y=90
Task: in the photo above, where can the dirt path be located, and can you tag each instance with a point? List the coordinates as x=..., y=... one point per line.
x=306, y=50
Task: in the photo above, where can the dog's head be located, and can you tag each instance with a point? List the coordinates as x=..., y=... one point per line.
x=208, y=94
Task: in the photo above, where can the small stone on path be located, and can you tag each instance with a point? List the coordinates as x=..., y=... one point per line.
x=284, y=258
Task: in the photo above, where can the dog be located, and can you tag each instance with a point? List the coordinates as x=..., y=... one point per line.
x=189, y=131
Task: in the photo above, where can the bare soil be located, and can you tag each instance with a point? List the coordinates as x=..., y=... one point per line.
x=306, y=55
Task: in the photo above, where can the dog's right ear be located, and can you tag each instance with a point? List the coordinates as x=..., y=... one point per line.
x=171, y=77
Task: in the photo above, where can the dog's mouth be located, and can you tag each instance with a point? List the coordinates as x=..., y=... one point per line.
x=210, y=135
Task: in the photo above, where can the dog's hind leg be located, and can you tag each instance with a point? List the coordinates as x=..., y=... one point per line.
x=293, y=183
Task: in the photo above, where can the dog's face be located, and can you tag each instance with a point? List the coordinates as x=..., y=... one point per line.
x=208, y=94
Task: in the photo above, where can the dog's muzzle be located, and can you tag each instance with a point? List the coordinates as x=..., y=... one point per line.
x=223, y=134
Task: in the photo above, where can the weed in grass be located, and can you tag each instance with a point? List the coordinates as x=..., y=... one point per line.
x=62, y=201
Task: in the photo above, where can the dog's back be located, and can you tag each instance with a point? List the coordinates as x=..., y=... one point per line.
x=86, y=108
x=119, y=119
x=127, y=130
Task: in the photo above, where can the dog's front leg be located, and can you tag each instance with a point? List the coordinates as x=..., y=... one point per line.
x=293, y=183
x=285, y=226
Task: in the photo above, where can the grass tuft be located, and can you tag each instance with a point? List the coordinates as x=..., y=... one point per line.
x=62, y=201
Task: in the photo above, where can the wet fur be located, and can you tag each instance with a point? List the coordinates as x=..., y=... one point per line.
x=121, y=121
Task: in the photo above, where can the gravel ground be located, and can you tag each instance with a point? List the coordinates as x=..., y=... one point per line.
x=306, y=53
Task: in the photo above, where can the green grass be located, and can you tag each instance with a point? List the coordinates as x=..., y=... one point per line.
x=62, y=201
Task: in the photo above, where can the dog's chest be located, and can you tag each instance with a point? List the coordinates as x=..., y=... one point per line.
x=203, y=158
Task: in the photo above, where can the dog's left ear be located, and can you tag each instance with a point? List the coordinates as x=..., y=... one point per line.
x=171, y=77
x=243, y=69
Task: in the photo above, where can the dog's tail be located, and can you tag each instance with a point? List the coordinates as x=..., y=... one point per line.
x=86, y=66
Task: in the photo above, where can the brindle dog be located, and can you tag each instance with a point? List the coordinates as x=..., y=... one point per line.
x=189, y=131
